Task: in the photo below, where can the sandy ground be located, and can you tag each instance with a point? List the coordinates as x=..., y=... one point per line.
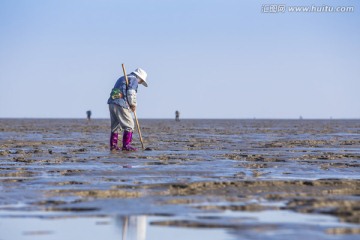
x=201, y=174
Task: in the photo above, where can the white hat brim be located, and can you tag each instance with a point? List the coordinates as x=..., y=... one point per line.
x=144, y=83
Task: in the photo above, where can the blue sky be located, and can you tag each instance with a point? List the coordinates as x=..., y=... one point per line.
x=207, y=59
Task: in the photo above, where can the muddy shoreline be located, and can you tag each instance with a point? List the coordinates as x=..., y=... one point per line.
x=197, y=167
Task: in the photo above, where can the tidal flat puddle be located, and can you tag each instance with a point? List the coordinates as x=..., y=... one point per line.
x=93, y=228
x=223, y=225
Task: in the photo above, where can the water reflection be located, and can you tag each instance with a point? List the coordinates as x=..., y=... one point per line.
x=132, y=227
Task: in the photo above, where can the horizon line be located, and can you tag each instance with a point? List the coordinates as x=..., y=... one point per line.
x=254, y=118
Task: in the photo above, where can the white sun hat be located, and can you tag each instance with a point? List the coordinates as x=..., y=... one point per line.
x=141, y=74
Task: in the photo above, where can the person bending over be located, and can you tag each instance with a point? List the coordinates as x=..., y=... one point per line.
x=121, y=102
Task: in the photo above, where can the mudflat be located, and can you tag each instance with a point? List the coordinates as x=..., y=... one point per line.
x=240, y=179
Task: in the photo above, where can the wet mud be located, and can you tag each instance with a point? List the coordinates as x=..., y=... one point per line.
x=226, y=174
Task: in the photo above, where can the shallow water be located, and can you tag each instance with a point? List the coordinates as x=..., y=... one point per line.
x=271, y=224
x=226, y=176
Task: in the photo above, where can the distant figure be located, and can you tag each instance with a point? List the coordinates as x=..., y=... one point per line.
x=177, y=116
x=88, y=114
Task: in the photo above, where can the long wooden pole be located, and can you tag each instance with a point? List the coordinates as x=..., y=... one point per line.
x=136, y=120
